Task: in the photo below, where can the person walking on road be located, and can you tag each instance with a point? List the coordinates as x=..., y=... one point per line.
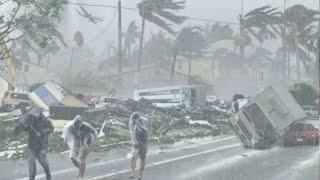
x=138, y=128
x=38, y=128
x=79, y=135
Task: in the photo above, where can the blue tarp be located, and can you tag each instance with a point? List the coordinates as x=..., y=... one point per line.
x=45, y=95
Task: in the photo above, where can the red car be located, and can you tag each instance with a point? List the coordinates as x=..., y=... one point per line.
x=302, y=132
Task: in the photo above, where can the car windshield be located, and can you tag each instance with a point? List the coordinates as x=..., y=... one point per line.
x=304, y=127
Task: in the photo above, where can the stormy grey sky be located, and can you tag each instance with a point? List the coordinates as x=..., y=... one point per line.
x=99, y=35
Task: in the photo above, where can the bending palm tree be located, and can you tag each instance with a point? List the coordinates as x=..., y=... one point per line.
x=130, y=38
x=299, y=37
x=261, y=23
x=158, y=12
x=190, y=43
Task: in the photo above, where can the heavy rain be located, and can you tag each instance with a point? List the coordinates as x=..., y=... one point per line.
x=159, y=89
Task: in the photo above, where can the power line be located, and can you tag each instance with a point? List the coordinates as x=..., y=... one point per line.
x=211, y=20
x=135, y=9
x=103, y=31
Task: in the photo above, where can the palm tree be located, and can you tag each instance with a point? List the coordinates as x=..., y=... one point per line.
x=158, y=12
x=174, y=53
x=212, y=34
x=131, y=36
x=299, y=35
x=261, y=23
x=79, y=41
x=78, y=38
x=230, y=58
x=157, y=49
x=215, y=34
x=218, y=32
x=190, y=43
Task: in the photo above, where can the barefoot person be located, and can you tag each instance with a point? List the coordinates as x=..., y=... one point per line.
x=38, y=128
x=79, y=136
x=138, y=128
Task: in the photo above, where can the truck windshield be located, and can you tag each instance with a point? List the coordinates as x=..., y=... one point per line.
x=255, y=115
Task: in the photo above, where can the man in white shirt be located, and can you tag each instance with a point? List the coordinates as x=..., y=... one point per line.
x=138, y=128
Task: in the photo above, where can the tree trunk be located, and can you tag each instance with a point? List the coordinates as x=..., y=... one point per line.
x=48, y=61
x=288, y=67
x=212, y=69
x=71, y=59
x=129, y=51
x=189, y=72
x=317, y=69
x=39, y=60
x=141, y=44
x=173, y=67
x=284, y=54
x=296, y=55
x=242, y=48
x=298, y=69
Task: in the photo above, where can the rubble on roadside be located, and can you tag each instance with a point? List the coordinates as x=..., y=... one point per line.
x=110, y=116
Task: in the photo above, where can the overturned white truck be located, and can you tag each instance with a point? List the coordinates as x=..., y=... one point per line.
x=265, y=118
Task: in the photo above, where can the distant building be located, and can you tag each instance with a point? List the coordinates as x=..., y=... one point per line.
x=150, y=77
x=228, y=77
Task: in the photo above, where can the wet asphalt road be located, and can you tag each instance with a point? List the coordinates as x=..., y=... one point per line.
x=221, y=158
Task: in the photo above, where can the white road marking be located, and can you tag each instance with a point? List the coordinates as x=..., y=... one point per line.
x=170, y=160
x=69, y=170
x=197, y=144
x=225, y=162
x=294, y=171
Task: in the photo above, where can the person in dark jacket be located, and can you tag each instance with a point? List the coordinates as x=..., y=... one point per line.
x=38, y=128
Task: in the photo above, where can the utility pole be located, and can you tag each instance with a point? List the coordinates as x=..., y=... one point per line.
x=284, y=66
x=242, y=53
x=71, y=58
x=318, y=71
x=241, y=7
x=317, y=74
x=296, y=53
x=119, y=43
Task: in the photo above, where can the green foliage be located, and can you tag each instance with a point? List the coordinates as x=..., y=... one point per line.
x=191, y=42
x=237, y=96
x=131, y=36
x=35, y=86
x=157, y=48
x=160, y=11
x=78, y=38
x=55, y=143
x=261, y=23
x=218, y=32
x=167, y=139
x=82, y=80
x=304, y=93
x=42, y=36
